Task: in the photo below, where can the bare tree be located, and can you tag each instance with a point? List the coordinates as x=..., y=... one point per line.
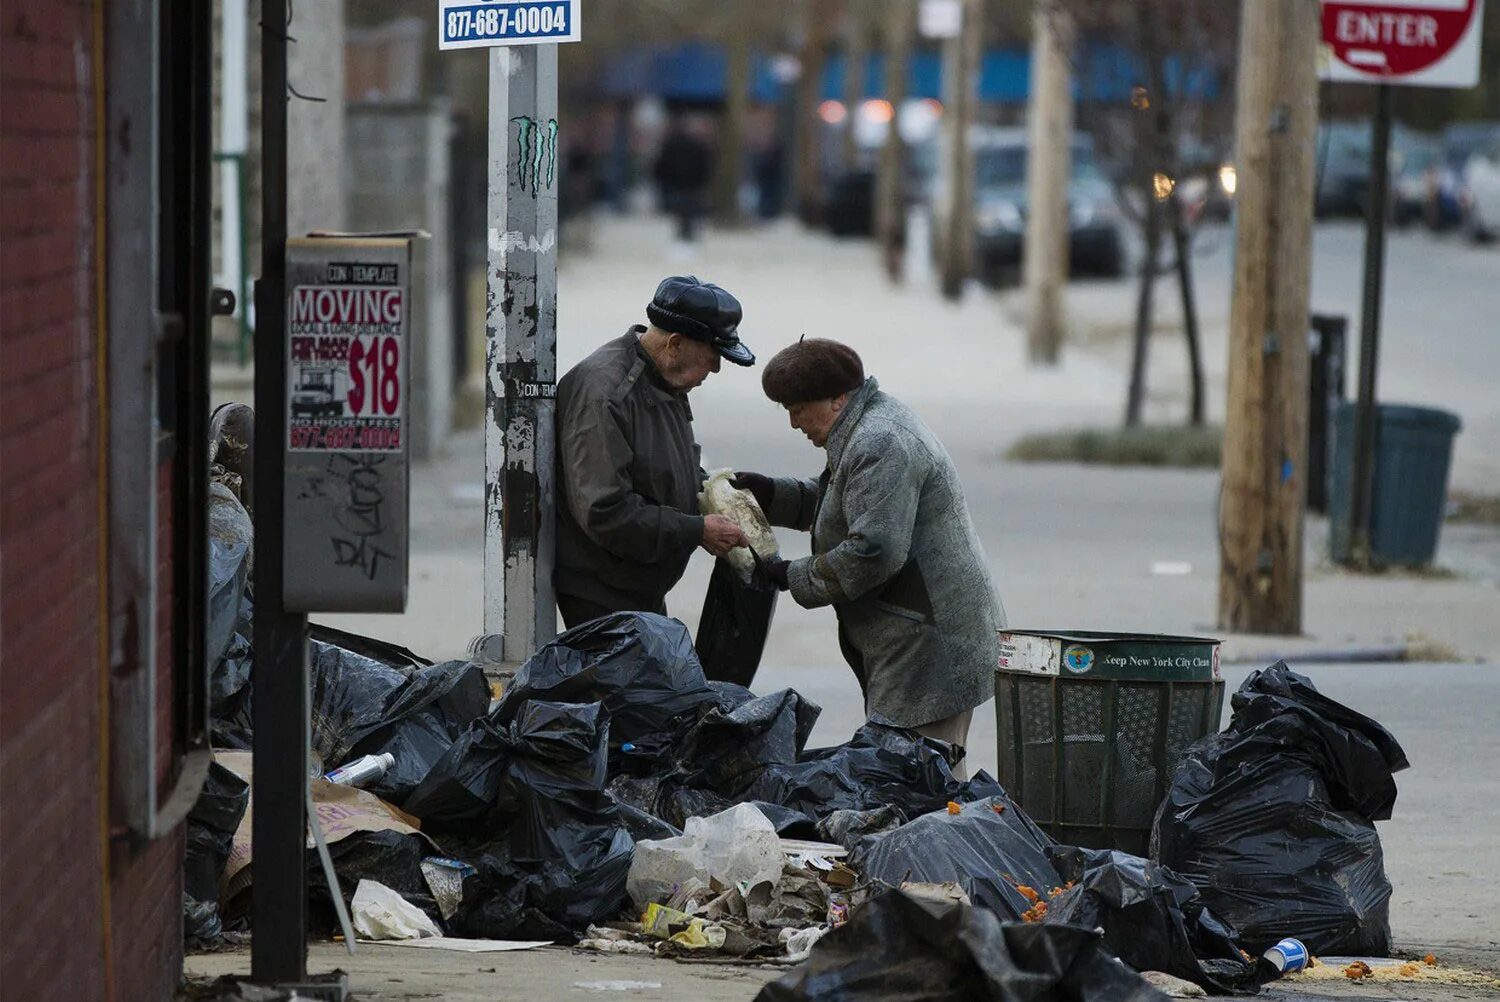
x=1167, y=145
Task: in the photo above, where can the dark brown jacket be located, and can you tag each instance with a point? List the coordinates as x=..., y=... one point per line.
x=628, y=477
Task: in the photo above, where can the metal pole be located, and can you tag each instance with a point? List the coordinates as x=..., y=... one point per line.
x=521, y=355
x=1363, y=482
x=278, y=951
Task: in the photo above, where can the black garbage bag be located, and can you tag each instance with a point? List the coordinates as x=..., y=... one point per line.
x=641, y=666
x=422, y=719
x=787, y=822
x=990, y=848
x=882, y=765
x=362, y=706
x=211, y=825
x=899, y=948
x=733, y=626
x=391, y=858
x=387, y=653
x=566, y=852
x=1273, y=819
x=726, y=750
x=1154, y=919
x=231, y=542
x=464, y=785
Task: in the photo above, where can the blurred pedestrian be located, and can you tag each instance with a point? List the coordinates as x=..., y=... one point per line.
x=684, y=167
x=628, y=465
x=894, y=550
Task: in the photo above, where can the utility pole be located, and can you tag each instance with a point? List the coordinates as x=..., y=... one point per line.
x=1048, y=166
x=807, y=179
x=890, y=202
x=856, y=55
x=1265, y=433
x=521, y=352
x=960, y=72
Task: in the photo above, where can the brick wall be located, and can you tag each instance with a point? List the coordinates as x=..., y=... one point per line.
x=52, y=926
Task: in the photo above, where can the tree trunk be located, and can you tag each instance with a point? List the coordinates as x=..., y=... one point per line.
x=856, y=55
x=1265, y=427
x=890, y=201
x=1049, y=165
x=960, y=70
x=1182, y=244
x=729, y=169
x=1135, y=401
x=807, y=178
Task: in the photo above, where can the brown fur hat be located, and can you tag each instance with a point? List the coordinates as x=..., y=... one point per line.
x=812, y=369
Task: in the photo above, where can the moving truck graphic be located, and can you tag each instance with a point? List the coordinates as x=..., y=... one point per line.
x=320, y=391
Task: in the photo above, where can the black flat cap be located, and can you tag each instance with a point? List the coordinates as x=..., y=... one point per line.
x=702, y=311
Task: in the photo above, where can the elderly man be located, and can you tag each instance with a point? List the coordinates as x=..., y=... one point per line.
x=628, y=465
x=894, y=550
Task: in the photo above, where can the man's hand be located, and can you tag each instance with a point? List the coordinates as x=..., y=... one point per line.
x=760, y=487
x=720, y=535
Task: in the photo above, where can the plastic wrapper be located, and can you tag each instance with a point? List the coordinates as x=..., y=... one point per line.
x=641, y=666
x=990, y=849
x=211, y=825
x=231, y=544
x=377, y=912
x=391, y=858
x=898, y=948
x=1154, y=919
x=1273, y=819
x=734, y=624
x=741, y=508
x=736, y=846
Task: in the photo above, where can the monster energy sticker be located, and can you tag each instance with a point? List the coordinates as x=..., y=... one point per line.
x=536, y=153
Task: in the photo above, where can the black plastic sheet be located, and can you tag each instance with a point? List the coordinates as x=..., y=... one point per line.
x=1154, y=919
x=898, y=948
x=641, y=666
x=733, y=626
x=989, y=849
x=847, y=827
x=1273, y=819
x=211, y=825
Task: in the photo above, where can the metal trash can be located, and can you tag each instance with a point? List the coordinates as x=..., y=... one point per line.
x=1091, y=726
x=1413, y=452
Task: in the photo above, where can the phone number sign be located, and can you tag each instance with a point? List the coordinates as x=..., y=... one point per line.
x=471, y=24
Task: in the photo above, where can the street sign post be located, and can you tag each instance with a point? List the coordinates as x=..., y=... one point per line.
x=1405, y=43
x=521, y=316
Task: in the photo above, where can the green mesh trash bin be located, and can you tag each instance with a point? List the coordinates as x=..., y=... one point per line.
x=1413, y=451
x=1091, y=726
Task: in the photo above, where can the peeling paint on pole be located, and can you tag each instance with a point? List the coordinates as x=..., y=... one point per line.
x=521, y=354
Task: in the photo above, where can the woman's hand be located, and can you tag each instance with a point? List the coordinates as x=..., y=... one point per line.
x=760, y=487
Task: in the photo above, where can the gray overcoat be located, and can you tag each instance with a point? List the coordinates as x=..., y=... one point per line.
x=897, y=556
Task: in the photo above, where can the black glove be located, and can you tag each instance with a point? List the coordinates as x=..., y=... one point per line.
x=771, y=573
x=760, y=487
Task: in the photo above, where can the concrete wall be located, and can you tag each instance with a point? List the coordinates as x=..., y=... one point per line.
x=85, y=915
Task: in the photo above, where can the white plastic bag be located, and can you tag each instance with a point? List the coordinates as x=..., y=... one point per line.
x=381, y=913
x=718, y=498
x=736, y=847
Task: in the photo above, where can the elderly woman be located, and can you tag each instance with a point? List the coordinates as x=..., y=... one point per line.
x=894, y=550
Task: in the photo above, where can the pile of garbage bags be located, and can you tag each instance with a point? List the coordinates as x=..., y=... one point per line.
x=615, y=797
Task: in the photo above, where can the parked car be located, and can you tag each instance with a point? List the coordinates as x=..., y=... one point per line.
x=1343, y=166
x=1412, y=171
x=1482, y=182
x=1450, y=196
x=1095, y=244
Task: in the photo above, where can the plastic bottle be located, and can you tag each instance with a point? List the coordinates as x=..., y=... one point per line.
x=362, y=771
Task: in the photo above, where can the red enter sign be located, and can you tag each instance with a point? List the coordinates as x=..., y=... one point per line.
x=1394, y=38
